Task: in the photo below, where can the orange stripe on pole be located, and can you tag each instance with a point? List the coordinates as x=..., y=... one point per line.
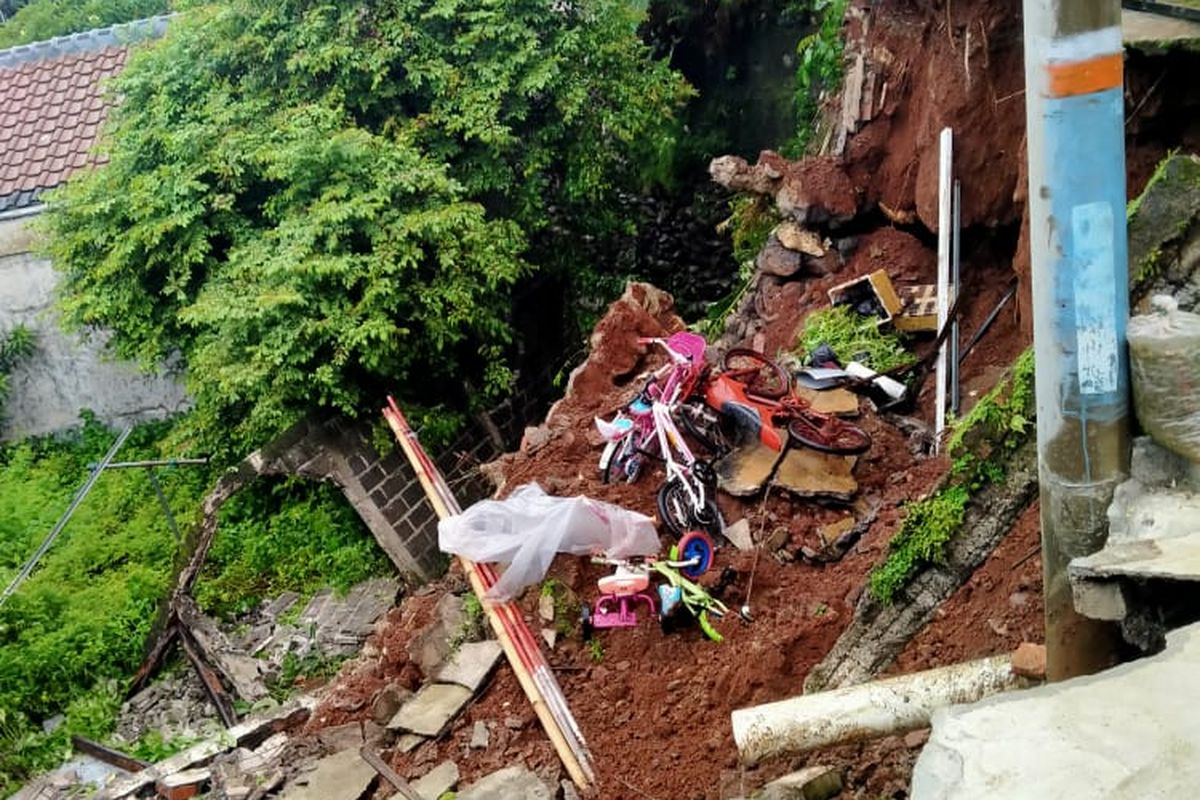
x=1085, y=77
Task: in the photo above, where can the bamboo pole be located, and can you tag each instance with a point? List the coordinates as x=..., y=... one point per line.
x=502, y=616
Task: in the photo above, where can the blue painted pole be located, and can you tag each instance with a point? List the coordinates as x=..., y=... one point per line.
x=1074, y=102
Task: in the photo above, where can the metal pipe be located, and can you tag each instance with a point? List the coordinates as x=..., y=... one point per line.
x=161, y=462
x=29, y=565
x=1074, y=103
x=945, y=171
x=866, y=711
x=955, y=263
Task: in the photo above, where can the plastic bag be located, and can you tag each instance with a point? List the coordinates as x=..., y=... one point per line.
x=1164, y=355
x=527, y=528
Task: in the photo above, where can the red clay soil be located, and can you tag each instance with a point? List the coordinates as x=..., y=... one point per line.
x=655, y=708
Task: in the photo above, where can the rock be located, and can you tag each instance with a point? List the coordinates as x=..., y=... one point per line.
x=430, y=710
x=1029, y=660
x=428, y=648
x=479, y=736
x=387, y=702
x=915, y=739
x=409, y=742
x=810, y=783
x=794, y=237
x=509, y=783
x=471, y=664
x=437, y=781
x=535, y=439
x=550, y=637
x=546, y=607
x=341, y=737
x=775, y=259
x=343, y=776
x=834, y=531
x=569, y=792
x=739, y=534
x=735, y=173
x=514, y=723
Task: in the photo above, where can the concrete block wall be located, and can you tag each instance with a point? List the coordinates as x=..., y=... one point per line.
x=65, y=374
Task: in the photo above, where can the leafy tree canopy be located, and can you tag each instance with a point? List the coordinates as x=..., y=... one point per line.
x=315, y=202
x=45, y=19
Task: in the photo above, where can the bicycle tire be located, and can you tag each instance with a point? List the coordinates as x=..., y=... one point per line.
x=760, y=375
x=831, y=435
x=695, y=544
x=704, y=425
x=678, y=517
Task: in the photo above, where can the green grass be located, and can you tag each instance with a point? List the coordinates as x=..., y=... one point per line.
x=854, y=338
x=74, y=632
x=980, y=444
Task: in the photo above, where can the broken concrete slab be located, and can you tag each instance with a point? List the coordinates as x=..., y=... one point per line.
x=183, y=785
x=1140, y=30
x=341, y=737
x=744, y=471
x=409, y=742
x=471, y=664
x=479, y=736
x=1127, y=732
x=810, y=783
x=342, y=776
x=436, y=782
x=807, y=473
x=507, y=784
x=431, y=709
x=1174, y=558
x=429, y=647
x=840, y=402
x=739, y=535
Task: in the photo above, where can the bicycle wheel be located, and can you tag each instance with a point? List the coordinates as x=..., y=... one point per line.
x=679, y=514
x=760, y=375
x=828, y=434
x=695, y=545
x=704, y=425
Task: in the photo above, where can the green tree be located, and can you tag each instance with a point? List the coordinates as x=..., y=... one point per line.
x=316, y=202
x=15, y=347
x=44, y=19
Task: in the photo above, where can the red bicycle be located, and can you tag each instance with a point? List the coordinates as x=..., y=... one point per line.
x=755, y=392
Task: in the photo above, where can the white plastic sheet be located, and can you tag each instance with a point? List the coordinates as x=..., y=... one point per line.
x=1164, y=351
x=526, y=529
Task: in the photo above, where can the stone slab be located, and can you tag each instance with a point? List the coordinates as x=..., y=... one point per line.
x=342, y=776
x=1128, y=732
x=509, y=783
x=1141, y=28
x=807, y=473
x=436, y=782
x=841, y=402
x=430, y=710
x=739, y=534
x=744, y=471
x=1175, y=558
x=471, y=665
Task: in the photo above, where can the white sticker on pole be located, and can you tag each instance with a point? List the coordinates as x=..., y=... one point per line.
x=1092, y=232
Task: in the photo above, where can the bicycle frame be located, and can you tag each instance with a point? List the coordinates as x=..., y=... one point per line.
x=758, y=414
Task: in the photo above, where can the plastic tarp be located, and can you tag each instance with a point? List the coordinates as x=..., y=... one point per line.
x=526, y=530
x=1164, y=355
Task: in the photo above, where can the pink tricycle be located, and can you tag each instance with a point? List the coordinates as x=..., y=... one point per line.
x=627, y=587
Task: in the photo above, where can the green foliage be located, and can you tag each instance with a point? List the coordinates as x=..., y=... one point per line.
x=285, y=535
x=980, y=444
x=318, y=203
x=151, y=746
x=595, y=650
x=78, y=625
x=15, y=347
x=44, y=19
x=819, y=69
x=928, y=525
x=471, y=629
x=854, y=338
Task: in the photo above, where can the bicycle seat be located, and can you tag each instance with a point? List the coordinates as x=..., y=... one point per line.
x=624, y=581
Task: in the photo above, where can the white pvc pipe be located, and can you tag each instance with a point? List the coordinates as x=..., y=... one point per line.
x=945, y=197
x=854, y=713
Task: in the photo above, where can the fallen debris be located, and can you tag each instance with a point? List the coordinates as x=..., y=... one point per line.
x=341, y=776
x=507, y=784
x=430, y=710
x=439, y=780
x=810, y=783
x=471, y=664
x=892, y=705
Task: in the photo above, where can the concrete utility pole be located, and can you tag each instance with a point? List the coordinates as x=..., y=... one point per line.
x=1074, y=72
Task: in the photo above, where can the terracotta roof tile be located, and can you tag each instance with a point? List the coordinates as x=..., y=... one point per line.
x=52, y=102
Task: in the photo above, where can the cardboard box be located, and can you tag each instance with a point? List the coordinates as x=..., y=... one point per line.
x=920, y=309
x=877, y=286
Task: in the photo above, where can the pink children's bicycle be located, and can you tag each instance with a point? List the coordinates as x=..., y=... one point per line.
x=646, y=429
